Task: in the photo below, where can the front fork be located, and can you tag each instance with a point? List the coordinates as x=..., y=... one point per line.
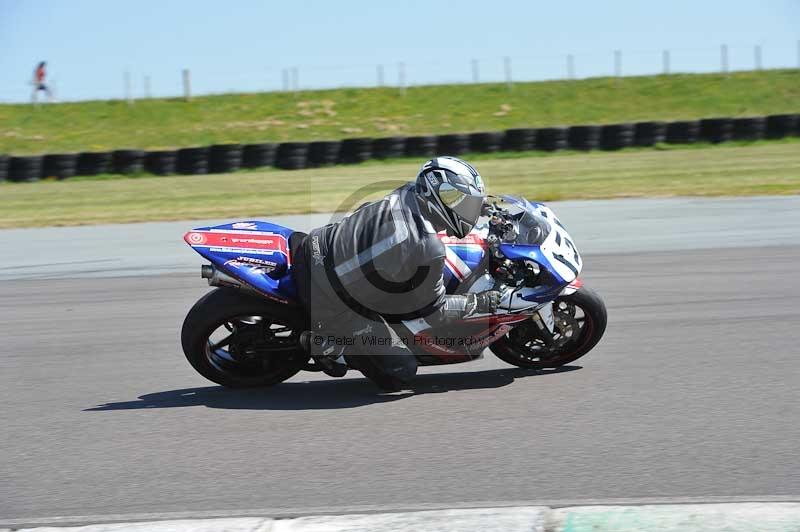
x=546, y=323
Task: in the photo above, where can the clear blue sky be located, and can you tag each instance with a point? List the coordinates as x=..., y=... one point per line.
x=243, y=45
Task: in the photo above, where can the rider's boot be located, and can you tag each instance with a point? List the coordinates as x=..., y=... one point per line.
x=328, y=356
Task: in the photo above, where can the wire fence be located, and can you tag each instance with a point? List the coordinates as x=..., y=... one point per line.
x=134, y=84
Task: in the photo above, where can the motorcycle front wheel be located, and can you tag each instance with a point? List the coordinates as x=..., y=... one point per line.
x=240, y=340
x=580, y=321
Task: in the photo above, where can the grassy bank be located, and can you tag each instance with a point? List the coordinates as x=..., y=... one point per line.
x=763, y=168
x=333, y=114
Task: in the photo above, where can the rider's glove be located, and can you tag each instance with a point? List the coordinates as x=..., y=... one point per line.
x=487, y=302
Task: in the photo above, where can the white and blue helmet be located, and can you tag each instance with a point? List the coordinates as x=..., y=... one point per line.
x=452, y=194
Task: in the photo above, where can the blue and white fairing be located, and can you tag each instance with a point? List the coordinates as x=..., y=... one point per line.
x=254, y=252
x=541, y=238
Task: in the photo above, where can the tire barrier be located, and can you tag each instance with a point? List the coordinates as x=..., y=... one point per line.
x=551, y=138
x=160, y=162
x=224, y=158
x=751, y=128
x=324, y=153
x=682, y=132
x=25, y=169
x=355, y=150
x=422, y=146
x=127, y=161
x=583, y=137
x=3, y=167
x=292, y=155
x=715, y=130
x=389, y=147
x=453, y=144
x=780, y=126
x=296, y=155
x=486, y=141
x=616, y=136
x=94, y=163
x=60, y=165
x=192, y=161
x=648, y=133
x=258, y=155
x=520, y=139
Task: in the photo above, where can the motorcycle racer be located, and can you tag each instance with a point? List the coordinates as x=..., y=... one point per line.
x=383, y=263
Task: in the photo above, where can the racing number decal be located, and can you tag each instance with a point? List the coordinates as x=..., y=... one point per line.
x=561, y=248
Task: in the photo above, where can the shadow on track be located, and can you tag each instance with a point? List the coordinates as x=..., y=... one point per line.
x=323, y=394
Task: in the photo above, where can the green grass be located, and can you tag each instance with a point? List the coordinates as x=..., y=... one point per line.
x=332, y=114
x=726, y=170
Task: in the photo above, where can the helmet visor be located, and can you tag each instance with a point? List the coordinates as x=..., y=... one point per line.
x=467, y=206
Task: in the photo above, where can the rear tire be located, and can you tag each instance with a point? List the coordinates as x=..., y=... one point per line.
x=260, y=347
x=522, y=347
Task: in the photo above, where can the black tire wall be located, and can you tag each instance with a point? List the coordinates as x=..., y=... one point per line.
x=258, y=155
x=94, y=163
x=25, y=169
x=780, y=126
x=356, y=150
x=453, y=144
x=583, y=137
x=551, y=138
x=751, y=128
x=192, y=161
x=648, y=133
x=520, y=139
x=127, y=161
x=389, y=147
x=486, y=141
x=223, y=158
x=60, y=165
x=292, y=155
x=422, y=146
x=616, y=136
x=3, y=167
x=161, y=162
x=682, y=132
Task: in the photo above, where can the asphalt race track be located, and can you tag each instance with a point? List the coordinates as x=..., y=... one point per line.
x=692, y=393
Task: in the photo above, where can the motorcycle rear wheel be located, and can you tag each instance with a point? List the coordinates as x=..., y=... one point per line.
x=580, y=321
x=240, y=340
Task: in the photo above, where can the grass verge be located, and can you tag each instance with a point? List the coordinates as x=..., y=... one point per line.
x=340, y=113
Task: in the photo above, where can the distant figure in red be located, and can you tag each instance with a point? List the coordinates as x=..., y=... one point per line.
x=39, y=82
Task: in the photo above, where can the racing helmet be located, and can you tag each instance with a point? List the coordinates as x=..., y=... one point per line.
x=451, y=192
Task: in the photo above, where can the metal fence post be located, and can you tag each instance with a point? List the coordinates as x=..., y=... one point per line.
x=757, y=56
x=127, y=84
x=723, y=53
x=665, y=59
x=618, y=63
x=570, y=66
x=379, y=74
x=401, y=77
x=187, y=85
x=475, y=73
x=507, y=69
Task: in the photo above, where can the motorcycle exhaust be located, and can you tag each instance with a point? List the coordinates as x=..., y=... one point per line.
x=217, y=278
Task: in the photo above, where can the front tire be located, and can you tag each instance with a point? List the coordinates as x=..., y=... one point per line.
x=580, y=323
x=240, y=340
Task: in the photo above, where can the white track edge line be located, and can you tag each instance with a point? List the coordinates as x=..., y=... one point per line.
x=388, y=508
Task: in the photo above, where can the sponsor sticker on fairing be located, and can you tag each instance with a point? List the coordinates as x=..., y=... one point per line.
x=250, y=226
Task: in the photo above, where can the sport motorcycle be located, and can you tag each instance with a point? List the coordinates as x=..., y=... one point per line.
x=246, y=332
